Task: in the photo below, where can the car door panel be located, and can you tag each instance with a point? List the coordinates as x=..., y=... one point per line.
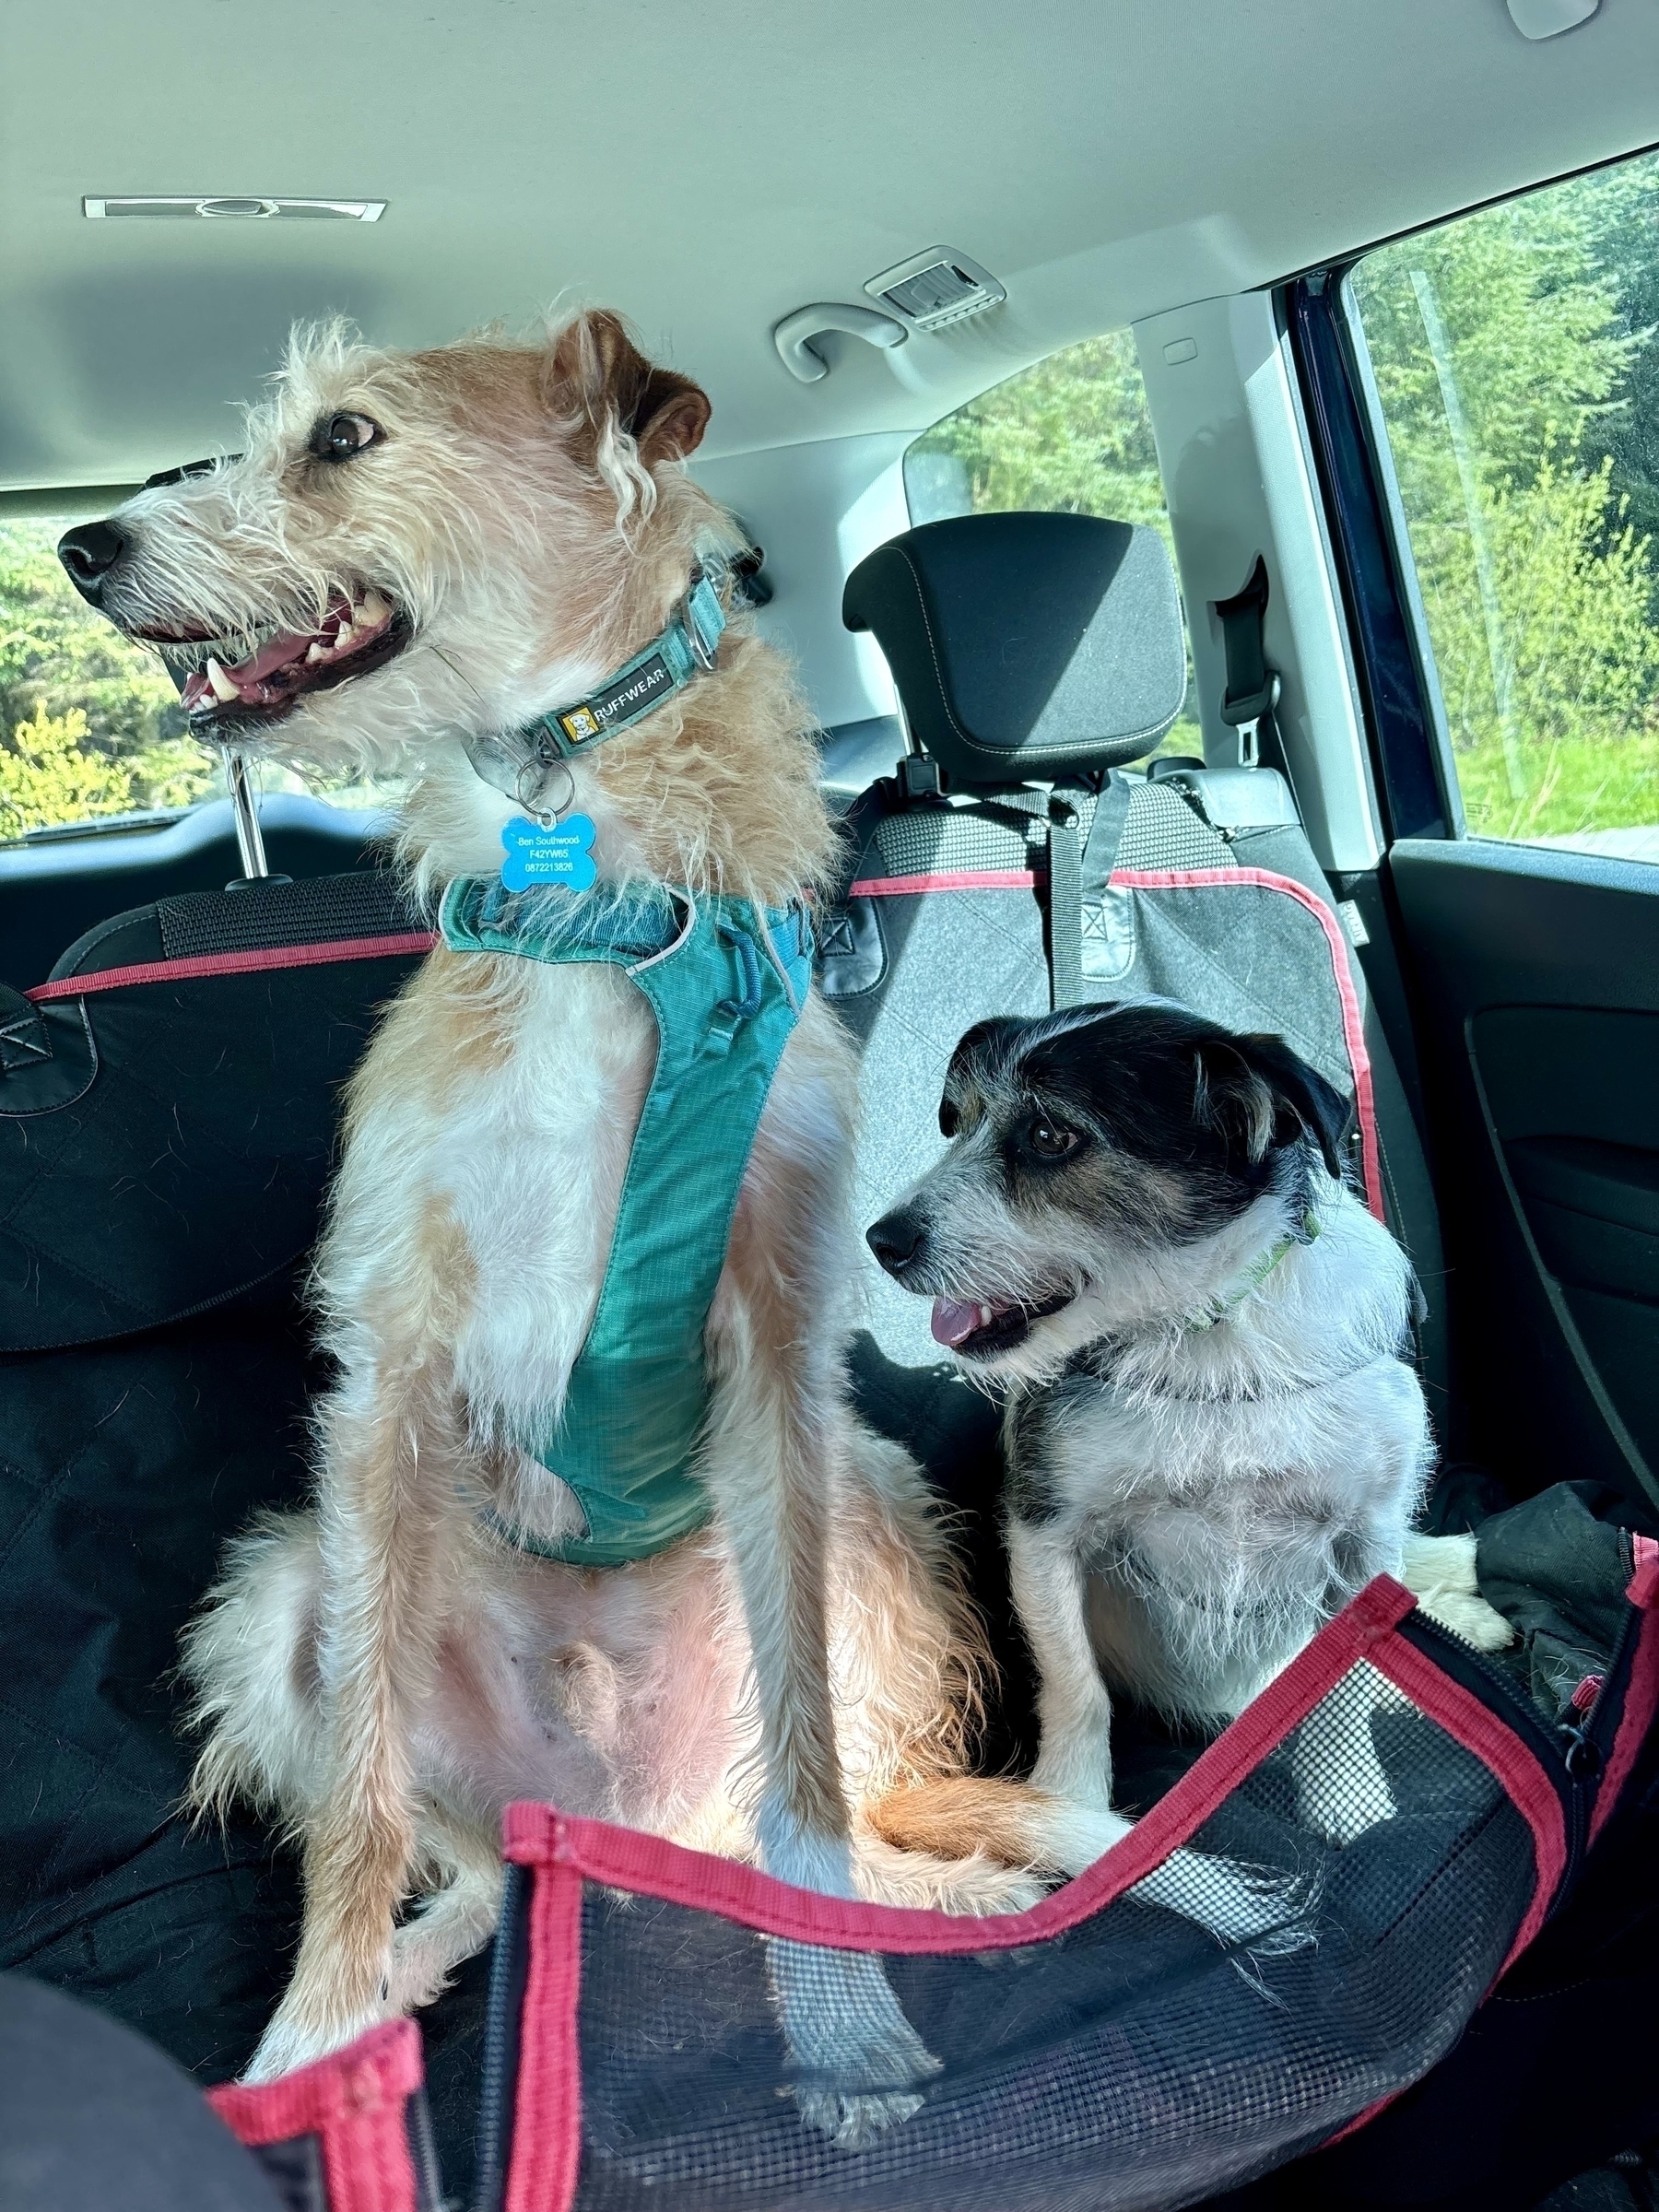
x=1538, y=978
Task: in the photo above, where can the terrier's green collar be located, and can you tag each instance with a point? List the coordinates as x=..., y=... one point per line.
x=517, y=764
x=1225, y=1304
x=664, y=666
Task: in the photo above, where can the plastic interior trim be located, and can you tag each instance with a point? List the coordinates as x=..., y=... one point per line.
x=1233, y=450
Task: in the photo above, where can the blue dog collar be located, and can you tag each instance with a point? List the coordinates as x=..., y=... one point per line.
x=518, y=765
x=685, y=649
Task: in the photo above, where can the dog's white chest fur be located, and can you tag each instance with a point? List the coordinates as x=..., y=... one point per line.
x=1218, y=1538
x=509, y=1172
x=1230, y=1492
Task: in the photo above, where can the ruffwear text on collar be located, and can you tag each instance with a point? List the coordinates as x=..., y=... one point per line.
x=686, y=647
x=517, y=764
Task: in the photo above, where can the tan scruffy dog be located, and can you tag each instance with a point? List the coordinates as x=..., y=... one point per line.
x=419, y=555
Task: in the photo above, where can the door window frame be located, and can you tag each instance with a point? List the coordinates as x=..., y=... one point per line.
x=1403, y=715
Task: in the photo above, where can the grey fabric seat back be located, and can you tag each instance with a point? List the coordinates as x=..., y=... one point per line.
x=1191, y=884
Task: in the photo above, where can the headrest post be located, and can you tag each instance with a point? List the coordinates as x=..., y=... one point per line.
x=250, y=839
x=911, y=748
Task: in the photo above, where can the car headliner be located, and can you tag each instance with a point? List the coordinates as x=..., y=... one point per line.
x=709, y=170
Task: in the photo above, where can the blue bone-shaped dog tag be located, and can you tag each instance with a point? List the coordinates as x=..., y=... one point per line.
x=560, y=854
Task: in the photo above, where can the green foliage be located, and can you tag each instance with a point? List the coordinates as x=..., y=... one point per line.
x=1522, y=399
x=1071, y=434
x=1622, y=212
x=90, y=724
x=1528, y=461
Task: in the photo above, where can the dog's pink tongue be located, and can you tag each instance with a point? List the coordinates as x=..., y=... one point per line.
x=276, y=653
x=288, y=645
x=952, y=1321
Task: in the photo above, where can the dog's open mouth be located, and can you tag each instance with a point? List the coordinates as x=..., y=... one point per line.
x=977, y=1330
x=359, y=632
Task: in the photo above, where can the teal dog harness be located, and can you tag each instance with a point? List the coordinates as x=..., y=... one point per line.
x=726, y=982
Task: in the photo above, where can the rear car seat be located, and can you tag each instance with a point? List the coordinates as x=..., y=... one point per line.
x=168, y=1103
x=1013, y=865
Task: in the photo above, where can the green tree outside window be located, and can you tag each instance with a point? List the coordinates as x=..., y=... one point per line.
x=1071, y=435
x=1519, y=382
x=90, y=723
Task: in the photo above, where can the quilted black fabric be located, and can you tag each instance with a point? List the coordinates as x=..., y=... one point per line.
x=154, y=1374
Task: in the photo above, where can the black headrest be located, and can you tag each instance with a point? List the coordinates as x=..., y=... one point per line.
x=1022, y=643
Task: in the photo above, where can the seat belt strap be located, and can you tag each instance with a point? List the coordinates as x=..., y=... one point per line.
x=1064, y=907
x=1105, y=835
x=1253, y=688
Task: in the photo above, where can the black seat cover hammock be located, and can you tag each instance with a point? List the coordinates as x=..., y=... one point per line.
x=162, y=1168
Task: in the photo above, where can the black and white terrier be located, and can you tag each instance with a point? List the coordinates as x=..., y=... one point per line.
x=1140, y=1233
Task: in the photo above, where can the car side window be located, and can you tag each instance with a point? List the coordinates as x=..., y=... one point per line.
x=91, y=730
x=1070, y=434
x=90, y=724
x=1515, y=355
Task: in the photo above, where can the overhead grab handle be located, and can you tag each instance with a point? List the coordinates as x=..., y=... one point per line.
x=793, y=337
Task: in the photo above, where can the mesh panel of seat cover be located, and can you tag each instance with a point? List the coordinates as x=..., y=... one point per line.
x=1130, y=2058
x=259, y=915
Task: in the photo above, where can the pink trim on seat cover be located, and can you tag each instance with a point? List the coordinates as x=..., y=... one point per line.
x=1479, y=1730
x=1642, y=1684
x=564, y=1850
x=1198, y=879
x=546, y=2153
x=1353, y=1022
x=353, y=2102
x=964, y=879
x=539, y=1835
x=252, y=962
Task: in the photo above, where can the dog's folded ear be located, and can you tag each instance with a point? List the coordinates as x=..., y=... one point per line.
x=616, y=389
x=1261, y=1094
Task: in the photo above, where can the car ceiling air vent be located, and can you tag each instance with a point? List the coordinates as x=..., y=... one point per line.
x=935, y=288
x=235, y=208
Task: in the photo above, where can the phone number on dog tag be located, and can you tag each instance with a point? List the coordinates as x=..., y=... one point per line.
x=560, y=854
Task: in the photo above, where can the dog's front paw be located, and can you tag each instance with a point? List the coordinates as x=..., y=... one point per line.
x=1440, y=1571
x=857, y=2060
x=1470, y=1618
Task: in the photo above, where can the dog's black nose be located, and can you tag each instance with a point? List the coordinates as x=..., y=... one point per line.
x=896, y=1238
x=88, y=554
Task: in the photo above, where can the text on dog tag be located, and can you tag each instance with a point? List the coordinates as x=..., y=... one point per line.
x=560, y=853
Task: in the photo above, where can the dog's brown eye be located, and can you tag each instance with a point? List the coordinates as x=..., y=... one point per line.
x=338, y=437
x=1052, y=1140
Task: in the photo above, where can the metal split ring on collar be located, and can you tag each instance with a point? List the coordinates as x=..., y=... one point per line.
x=533, y=800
